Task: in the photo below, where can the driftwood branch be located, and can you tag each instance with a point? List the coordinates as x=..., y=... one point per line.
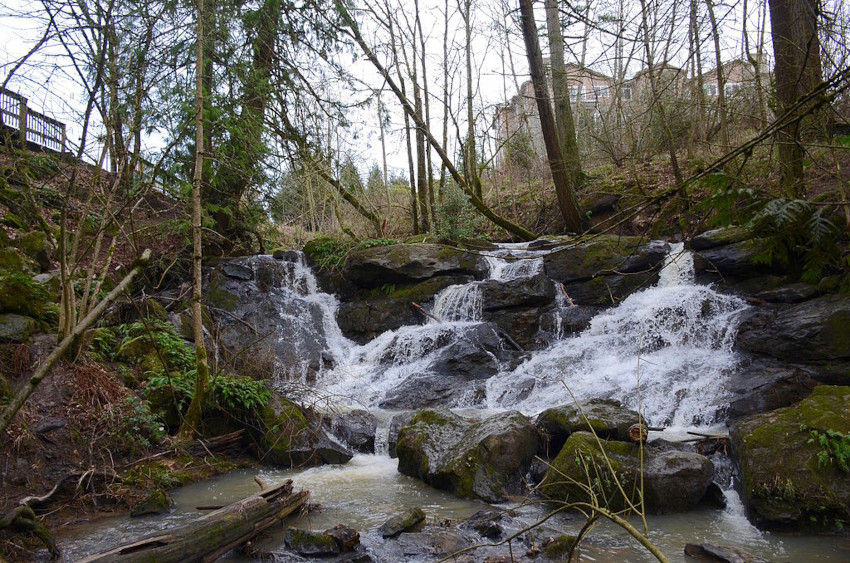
x=422, y=310
x=213, y=534
x=24, y=392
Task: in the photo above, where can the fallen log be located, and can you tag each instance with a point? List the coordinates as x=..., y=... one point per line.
x=214, y=534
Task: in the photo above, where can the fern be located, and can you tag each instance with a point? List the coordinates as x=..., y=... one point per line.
x=798, y=236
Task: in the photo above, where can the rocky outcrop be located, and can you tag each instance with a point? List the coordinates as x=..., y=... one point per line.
x=766, y=385
x=609, y=419
x=263, y=316
x=373, y=312
x=484, y=459
x=794, y=461
x=815, y=332
x=606, y=267
x=673, y=481
x=405, y=263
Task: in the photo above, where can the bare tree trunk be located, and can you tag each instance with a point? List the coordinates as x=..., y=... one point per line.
x=560, y=175
x=721, y=82
x=421, y=178
x=202, y=371
x=471, y=154
x=563, y=112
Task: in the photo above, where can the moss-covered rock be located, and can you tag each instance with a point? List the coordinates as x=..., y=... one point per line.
x=34, y=245
x=21, y=295
x=293, y=437
x=403, y=522
x=559, y=548
x=406, y=263
x=16, y=328
x=788, y=477
x=13, y=260
x=485, y=459
x=157, y=501
x=314, y=544
x=607, y=417
x=673, y=481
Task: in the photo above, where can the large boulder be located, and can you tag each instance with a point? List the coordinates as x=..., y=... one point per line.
x=16, y=328
x=605, y=267
x=355, y=428
x=607, y=417
x=673, y=481
x=485, y=459
x=405, y=263
x=794, y=461
x=815, y=332
x=295, y=437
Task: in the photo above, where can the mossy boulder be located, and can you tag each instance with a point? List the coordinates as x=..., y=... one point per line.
x=719, y=237
x=295, y=437
x=157, y=501
x=34, y=244
x=734, y=263
x=406, y=263
x=789, y=479
x=673, y=481
x=485, y=459
x=607, y=417
x=21, y=295
x=403, y=522
x=313, y=544
x=16, y=328
x=13, y=260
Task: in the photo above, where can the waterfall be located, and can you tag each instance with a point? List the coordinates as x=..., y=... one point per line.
x=666, y=350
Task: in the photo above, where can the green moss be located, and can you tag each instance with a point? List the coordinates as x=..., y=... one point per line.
x=780, y=470
x=21, y=295
x=559, y=548
x=220, y=298
x=12, y=260
x=32, y=243
x=12, y=220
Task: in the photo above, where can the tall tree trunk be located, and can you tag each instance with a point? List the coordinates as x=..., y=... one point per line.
x=202, y=375
x=796, y=51
x=563, y=112
x=470, y=152
x=721, y=82
x=421, y=177
x=560, y=175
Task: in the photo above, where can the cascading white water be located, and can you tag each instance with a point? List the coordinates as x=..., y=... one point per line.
x=666, y=350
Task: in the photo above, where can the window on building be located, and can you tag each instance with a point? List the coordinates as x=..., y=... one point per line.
x=626, y=93
x=600, y=92
x=731, y=87
x=710, y=89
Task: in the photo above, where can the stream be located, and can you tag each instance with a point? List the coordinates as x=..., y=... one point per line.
x=666, y=350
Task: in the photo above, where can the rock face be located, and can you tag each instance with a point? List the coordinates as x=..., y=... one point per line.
x=464, y=357
x=608, y=418
x=265, y=319
x=673, y=481
x=793, y=471
x=594, y=272
x=766, y=385
x=356, y=428
x=484, y=459
x=815, y=332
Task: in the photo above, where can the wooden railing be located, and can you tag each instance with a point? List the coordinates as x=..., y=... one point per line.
x=32, y=126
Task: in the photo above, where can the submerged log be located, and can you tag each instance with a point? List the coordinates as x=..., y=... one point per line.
x=214, y=534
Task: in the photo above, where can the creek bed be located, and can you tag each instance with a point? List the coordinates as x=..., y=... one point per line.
x=367, y=490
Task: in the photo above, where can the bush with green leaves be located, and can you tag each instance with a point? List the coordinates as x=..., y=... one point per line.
x=237, y=395
x=133, y=426
x=834, y=449
x=174, y=351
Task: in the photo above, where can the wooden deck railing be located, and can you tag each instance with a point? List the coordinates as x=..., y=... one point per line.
x=32, y=126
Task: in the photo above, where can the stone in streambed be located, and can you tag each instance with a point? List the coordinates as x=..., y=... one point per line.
x=403, y=522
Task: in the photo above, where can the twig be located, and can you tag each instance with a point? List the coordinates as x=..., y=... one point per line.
x=422, y=310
